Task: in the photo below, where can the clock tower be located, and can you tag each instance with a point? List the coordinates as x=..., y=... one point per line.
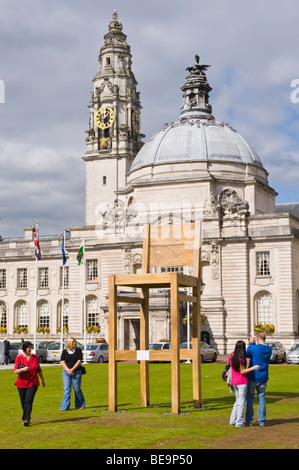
x=114, y=136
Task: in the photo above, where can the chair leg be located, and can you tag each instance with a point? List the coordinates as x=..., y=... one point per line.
x=175, y=346
x=144, y=342
x=196, y=337
x=112, y=344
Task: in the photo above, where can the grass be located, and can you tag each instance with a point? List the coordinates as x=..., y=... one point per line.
x=148, y=428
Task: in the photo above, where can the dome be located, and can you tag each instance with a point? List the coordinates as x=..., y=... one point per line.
x=196, y=135
x=193, y=139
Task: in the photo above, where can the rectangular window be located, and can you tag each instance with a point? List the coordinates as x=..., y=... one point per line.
x=2, y=278
x=263, y=263
x=66, y=276
x=92, y=270
x=43, y=277
x=104, y=180
x=22, y=278
x=172, y=269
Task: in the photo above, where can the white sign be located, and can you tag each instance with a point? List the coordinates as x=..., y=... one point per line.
x=142, y=355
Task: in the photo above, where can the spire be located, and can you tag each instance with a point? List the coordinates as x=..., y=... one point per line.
x=196, y=91
x=115, y=34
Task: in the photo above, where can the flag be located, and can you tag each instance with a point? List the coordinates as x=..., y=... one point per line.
x=38, y=253
x=63, y=252
x=80, y=253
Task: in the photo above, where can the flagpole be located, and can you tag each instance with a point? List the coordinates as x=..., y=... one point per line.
x=36, y=284
x=84, y=301
x=62, y=304
x=35, y=313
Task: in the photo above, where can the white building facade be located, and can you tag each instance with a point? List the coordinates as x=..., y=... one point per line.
x=195, y=167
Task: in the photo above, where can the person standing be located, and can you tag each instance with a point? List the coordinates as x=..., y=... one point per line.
x=28, y=369
x=70, y=360
x=259, y=353
x=239, y=380
x=6, y=350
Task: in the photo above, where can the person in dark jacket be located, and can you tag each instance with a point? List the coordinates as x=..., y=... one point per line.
x=259, y=353
x=6, y=350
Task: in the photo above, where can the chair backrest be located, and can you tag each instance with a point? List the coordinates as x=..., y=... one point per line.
x=172, y=245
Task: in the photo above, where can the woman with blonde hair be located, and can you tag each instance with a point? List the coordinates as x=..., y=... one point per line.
x=70, y=360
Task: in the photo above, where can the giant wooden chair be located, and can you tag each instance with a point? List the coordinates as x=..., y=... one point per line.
x=163, y=245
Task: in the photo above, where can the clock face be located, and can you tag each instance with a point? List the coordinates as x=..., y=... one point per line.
x=105, y=117
x=136, y=120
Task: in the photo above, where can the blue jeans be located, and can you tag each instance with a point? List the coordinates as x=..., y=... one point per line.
x=237, y=415
x=69, y=381
x=261, y=396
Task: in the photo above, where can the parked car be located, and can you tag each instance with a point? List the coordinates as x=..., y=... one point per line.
x=41, y=350
x=293, y=354
x=13, y=351
x=96, y=352
x=278, y=351
x=54, y=351
x=208, y=353
x=159, y=345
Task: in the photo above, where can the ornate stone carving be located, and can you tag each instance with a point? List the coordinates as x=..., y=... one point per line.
x=232, y=205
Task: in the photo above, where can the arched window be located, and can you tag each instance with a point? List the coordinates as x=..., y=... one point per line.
x=3, y=315
x=93, y=312
x=65, y=314
x=22, y=315
x=265, y=309
x=43, y=314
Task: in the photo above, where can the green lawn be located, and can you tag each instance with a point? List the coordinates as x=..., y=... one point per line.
x=148, y=428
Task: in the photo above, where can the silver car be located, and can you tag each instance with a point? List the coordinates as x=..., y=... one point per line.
x=278, y=351
x=13, y=351
x=293, y=354
x=96, y=352
x=208, y=353
x=41, y=350
x=54, y=351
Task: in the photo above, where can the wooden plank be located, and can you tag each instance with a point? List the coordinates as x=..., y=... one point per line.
x=160, y=355
x=196, y=362
x=146, y=249
x=171, y=256
x=144, y=343
x=139, y=280
x=129, y=299
x=186, y=353
x=187, y=281
x=112, y=344
x=184, y=232
x=175, y=360
x=187, y=298
x=125, y=355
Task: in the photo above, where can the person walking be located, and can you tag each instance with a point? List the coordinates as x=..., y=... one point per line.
x=239, y=380
x=70, y=360
x=259, y=353
x=28, y=369
x=6, y=350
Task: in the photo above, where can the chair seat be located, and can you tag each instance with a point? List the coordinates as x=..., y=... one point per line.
x=155, y=280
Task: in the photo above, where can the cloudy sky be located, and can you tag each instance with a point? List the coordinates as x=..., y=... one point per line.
x=49, y=56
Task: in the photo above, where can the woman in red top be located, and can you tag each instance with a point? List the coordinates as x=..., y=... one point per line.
x=27, y=368
x=237, y=362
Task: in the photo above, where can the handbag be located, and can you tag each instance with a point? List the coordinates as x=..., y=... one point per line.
x=227, y=377
x=83, y=370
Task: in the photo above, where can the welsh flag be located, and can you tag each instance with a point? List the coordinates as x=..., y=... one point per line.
x=80, y=253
